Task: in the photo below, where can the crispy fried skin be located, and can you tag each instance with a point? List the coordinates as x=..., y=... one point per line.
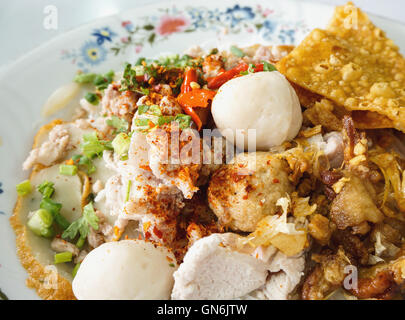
x=382, y=286
x=326, y=277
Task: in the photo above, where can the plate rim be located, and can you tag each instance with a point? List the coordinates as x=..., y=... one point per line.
x=163, y=4
x=181, y=3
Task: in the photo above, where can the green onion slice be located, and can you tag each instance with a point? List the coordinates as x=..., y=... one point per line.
x=165, y=119
x=80, y=242
x=55, y=208
x=67, y=169
x=83, y=78
x=63, y=257
x=92, y=146
x=155, y=110
x=183, y=120
x=85, y=161
x=121, y=143
x=46, y=188
x=120, y=124
x=143, y=109
x=41, y=222
x=24, y=188
x=142, y=122
x=75, y=269
x=128, y=190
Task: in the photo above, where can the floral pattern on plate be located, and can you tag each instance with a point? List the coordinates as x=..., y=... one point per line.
x=148, y=30
x=93, y=51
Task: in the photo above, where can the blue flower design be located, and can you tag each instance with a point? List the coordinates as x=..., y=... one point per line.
x=287, y=36
x=268, y=28
x=203, y=19
x=237, y=14
x=197, y=19
x=235, y=19
x=93, y=53
x=104, y=34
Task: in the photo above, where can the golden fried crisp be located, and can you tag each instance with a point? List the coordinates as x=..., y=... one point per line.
x=306, y=97
x=243, y=193
x=322, y=113
x=371, y=120
x=353, y=64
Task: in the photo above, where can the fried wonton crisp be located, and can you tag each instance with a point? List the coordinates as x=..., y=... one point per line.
x=353, y=64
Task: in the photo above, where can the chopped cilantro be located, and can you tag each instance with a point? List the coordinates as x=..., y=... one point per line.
x=92, y=98
x=268, y=66
x=128, y=81
x=175, y=61
x=169, y=61
x=177, y=88
x=213, y=51
x=140, y=61
x=83, y=224
x=102, y=81
x=143, y=91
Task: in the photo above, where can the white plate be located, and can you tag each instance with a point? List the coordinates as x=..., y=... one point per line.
x=105, y=44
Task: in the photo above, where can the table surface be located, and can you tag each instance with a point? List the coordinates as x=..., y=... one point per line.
x=21, y=21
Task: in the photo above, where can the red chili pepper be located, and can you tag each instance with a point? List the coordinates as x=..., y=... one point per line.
x=189, y=98
x=196, y=98
x=189, y=76
x=259, y=67
x=190, y=111
x=219, y=80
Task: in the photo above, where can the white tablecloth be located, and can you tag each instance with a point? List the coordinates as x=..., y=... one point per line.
x=21, y=21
